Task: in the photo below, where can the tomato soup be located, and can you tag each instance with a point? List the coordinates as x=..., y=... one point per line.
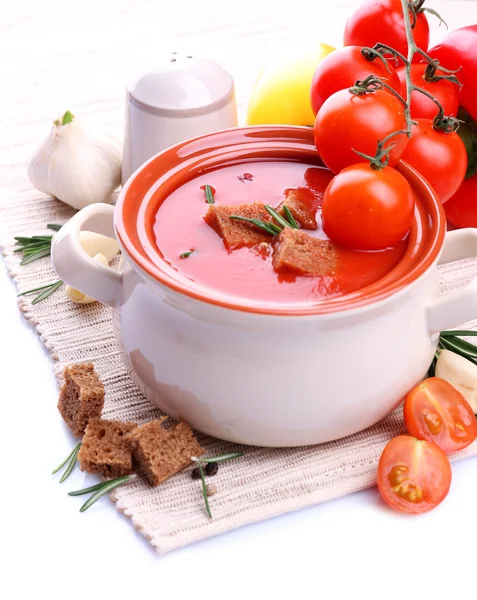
x=198, y=253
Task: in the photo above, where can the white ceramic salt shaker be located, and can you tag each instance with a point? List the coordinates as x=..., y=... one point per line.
x=180, y=98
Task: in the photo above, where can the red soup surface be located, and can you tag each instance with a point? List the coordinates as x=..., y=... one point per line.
x=248, y=273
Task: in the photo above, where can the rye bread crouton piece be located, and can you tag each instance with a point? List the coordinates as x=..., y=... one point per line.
x=237, y=234
x=81, y=397
x=104, y=449
x=159, y=453
x=297, y=251
x=302, y=208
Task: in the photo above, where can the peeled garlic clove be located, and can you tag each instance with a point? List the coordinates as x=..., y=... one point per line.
x=76, y=295
x=460, y=373
x=95, y=243
x=78, y=163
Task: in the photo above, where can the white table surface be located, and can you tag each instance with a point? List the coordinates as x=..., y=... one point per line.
x=333, y=551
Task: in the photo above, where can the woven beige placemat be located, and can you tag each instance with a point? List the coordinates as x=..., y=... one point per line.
x=264, y=483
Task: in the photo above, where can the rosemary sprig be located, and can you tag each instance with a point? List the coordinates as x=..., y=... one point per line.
x=281, y=220
x=290, y=217
x=200, y=465
x=35, y=246
x=186, y=254
x=209, y=194
x=48, y=289
x=100, y=490
x=268, y=227
x=71, y=461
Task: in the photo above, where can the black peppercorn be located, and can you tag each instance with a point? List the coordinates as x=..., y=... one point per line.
x=211, y=468
x=195, y=473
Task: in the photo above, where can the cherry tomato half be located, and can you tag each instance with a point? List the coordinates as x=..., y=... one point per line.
x=366, y=209
x=381, y=21
x=461, y=209
x=445, y=91
x=435, y=411
x=439, y=157
x=342, y=68
x=347, y=122
x=414, y=476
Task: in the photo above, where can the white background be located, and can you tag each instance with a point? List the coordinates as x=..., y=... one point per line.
x=48, y=549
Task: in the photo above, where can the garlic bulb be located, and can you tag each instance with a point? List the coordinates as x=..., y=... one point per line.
x=78, y=163
x=76, y=295
x=460, y=373
x=95, y=243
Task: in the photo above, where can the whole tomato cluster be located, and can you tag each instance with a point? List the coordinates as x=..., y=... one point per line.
x=359, y=95
x=368, y=116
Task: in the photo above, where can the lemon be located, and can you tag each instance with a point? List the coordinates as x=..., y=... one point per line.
x=282, y=90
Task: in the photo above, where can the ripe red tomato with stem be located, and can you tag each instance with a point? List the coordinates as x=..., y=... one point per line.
x=382, y=21
x=440, y=157
x=349, y=122
x=435, y=411
x=444, y=91
x=367, y=209
x=461, y=209
x=414, y=476
x=341, y=68
x=458, y=51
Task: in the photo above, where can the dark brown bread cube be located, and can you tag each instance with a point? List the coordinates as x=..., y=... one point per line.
x=302, y=208
x=104, y=449
x=300, y=252
x=81, y=397
x=159, y=453
x=237, y=234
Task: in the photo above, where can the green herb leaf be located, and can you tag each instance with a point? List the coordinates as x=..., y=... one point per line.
x=290, y=217
x=270, y=228
x=99, y=486
x=35, y=256
x=448, y=344
x=278, y=218
x=68, y=458
x=186, y=254
x=459, y=333
x=54, y=226
x=209, y=194
x=67, y=118
x=32, y=291
x=71, y=463
x=204, y=489
x=107, y=487
x=51, y=290
x=221, y=458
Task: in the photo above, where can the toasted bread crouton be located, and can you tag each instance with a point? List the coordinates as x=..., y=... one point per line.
x=81, y=397
x=302, y=207
x=237, y=234
x=159, y=453
x=104, y=449
x=300, y=252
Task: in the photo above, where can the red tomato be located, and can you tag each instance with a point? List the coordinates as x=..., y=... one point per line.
x=342, y=68
x=439, y=157
x=422, y=107
x=414, y=476
x=381, y=21
x=366, y=209
x=347, y=122
x=435, y=411
x=458, y=49
x=461, y=209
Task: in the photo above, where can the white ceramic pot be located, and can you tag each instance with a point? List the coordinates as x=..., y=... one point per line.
x=276, y=378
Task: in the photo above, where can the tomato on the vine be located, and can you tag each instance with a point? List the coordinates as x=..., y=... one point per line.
x=341, y=68
x=443, y=90
x=348, y=122
x=414, y=476
x=458, y=51
x=440, y=157
x=461, y=209
x=382, y=21
x=367, y=209
x=435, y=411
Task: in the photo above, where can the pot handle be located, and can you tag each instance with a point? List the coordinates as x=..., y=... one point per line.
x=75, y=267
x=461, y=306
